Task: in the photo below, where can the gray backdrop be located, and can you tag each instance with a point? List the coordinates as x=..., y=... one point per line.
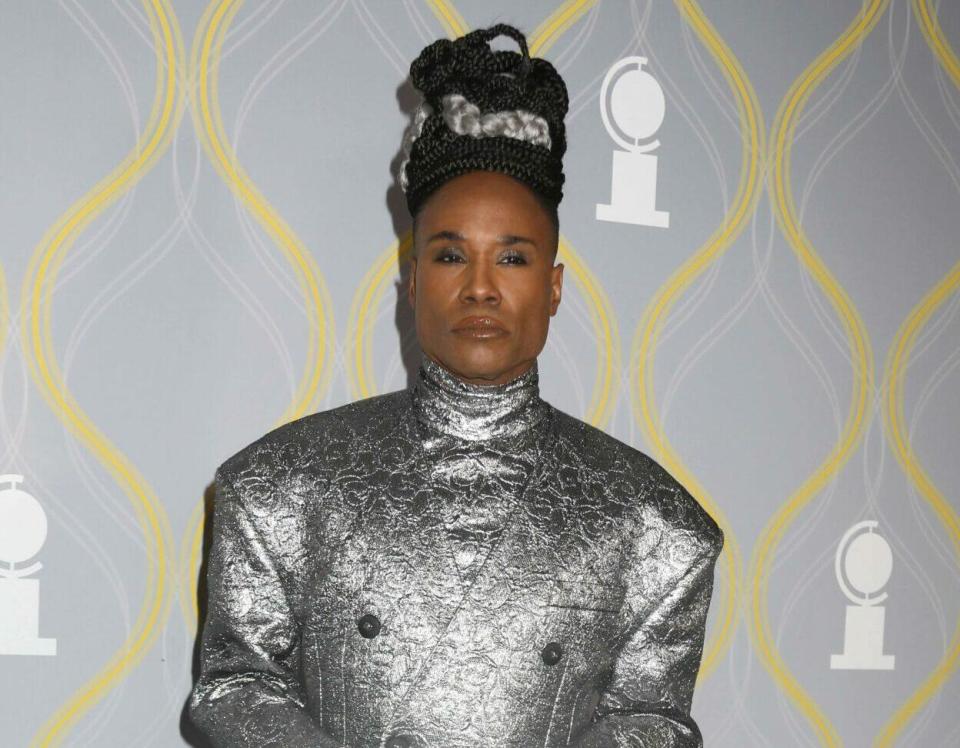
x=200, y=241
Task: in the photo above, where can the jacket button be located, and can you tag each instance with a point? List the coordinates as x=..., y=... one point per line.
x=369, y=626
x=552, y=653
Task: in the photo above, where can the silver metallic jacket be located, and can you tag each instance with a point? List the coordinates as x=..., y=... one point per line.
x=452, y=565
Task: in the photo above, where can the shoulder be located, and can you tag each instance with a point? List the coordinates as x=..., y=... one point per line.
x=631, y=477
x=316, y=438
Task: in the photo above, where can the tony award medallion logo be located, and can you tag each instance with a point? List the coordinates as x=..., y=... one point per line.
x=23, y=530
x=632, y=106
x=865, y=561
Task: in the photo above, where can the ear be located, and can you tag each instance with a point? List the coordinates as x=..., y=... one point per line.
x=556, y=286
x=412, y=282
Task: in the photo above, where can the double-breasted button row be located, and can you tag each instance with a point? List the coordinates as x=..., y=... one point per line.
x=552, y=653
x=369, y=626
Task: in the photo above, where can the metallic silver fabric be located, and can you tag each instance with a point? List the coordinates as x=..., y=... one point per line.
x=452, y=565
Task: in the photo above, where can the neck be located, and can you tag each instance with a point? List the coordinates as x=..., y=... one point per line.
x=476, y=412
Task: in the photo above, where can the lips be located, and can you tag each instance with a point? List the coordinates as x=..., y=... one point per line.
x=479, y=327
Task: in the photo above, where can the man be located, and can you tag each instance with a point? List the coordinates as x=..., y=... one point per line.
x=459, y=563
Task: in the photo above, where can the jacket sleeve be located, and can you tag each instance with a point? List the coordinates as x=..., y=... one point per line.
x=647, y=701
x=247, y=693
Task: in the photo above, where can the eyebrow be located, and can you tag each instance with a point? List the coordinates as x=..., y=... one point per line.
x=456, y=236
x=509, y=239
x=450, y=236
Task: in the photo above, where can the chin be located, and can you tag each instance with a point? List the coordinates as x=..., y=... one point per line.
x=484, y=367
x=477, y=372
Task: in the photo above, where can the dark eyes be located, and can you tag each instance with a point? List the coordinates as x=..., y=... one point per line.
x=448, y=256
x=508, y=258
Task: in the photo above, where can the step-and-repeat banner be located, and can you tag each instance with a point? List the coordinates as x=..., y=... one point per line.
x=202, y=239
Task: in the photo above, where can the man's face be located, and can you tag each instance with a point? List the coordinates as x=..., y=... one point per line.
x=483, y=284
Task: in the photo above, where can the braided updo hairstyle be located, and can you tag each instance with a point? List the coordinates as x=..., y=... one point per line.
x=485, y=110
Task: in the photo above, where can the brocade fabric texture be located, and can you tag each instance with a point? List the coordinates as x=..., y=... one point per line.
x=452, y=565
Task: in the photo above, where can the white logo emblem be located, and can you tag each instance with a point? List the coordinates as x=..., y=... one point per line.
x=632, y=107
x=23, y=530
x=865, y=561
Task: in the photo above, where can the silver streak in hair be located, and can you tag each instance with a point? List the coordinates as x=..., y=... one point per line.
x=465, y=118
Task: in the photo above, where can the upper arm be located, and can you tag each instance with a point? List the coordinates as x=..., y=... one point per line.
x=248, y=692
x=648, y=697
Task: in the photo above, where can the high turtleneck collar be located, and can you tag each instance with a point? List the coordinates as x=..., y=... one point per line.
x=476, y=412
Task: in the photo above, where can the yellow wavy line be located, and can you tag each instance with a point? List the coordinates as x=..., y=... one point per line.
x=606, y=332
x=364, y=303
x=206, y=53
x=545, y=35
x=188, y=562
x=374, y=283
x=895, y=371
x=860, y=353
x=895, y=374
x=204, y=75
x=657, y=313
x=548, y=32
x=453, y=23
x=38, y=343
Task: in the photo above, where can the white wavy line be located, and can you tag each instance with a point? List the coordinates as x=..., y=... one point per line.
x=946, y=90
x=939, y=376
x=870, y=507
x=794, y=541
x=717, y=89
x=59, y=513
x=266, y=254
x=854, y=124
x=120, y=511
x=822, y=101
x=235, y=284
x=808, y=354
x=151, y=731
x=83, y=538
x=138, y=22
x=257, y=19
x=675, y=96
x=75, y=528
x=930, y=333
x=589, y=93
x=933, y=331
x=940, y=149
x=564, y=60
x=279, y=61
x=833, y=147
x=13, y=436
x=698, y=294
x=736, y=706
x=418, y=21
x=702, y=286
x=79, y=258
x=97, y=722
x=93, y=32
x=393, y=55
x=822, y=314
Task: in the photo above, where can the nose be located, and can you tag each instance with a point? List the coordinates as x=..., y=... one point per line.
x=479, y=285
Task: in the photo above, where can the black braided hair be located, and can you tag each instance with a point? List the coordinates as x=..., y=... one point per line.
x=493, y=81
